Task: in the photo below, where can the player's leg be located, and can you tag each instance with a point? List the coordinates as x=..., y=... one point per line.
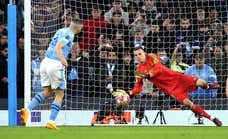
x=58, y=83
x=45, y=82
x=203, y=84
x=39, y=98
x=200, y=111
x=55, y=108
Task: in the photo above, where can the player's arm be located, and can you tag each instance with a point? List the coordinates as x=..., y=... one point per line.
x=59, y=53
x=138, y=86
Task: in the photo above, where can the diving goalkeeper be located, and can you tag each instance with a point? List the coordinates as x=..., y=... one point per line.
x=173, y=83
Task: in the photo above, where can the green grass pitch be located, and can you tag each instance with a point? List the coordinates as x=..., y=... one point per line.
x=126, y=132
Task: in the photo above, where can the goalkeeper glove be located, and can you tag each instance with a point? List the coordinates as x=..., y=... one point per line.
x=119, y=91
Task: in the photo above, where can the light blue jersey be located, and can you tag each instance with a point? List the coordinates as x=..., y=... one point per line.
x=65, y=36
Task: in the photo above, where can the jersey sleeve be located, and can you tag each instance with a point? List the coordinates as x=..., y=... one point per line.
x=138, y=86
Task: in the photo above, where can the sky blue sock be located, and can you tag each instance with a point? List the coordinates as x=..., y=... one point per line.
x=39, y=98
x=55, y=107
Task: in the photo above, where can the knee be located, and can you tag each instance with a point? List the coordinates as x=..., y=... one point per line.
x=188, y=103
x=47, y=92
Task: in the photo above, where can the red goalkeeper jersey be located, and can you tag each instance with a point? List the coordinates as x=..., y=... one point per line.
x=171, y=82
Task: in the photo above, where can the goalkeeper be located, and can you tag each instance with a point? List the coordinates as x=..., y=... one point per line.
x=52, y=71
x=175, y=84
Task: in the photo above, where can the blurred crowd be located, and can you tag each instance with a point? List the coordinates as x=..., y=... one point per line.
x=102, y=59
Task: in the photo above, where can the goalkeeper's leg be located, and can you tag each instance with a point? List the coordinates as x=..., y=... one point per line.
x=200, y=111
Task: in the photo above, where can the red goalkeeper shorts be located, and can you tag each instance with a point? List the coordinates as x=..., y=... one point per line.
x=187, y=84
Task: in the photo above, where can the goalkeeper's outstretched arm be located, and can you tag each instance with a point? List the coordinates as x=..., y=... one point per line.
x=138, y=87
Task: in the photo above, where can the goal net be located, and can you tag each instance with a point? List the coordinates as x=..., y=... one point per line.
x=178, y=31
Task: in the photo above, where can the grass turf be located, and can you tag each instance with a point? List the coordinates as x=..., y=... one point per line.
x=134, y=132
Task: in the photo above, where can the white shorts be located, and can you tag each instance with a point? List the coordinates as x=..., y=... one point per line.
x=52, y=74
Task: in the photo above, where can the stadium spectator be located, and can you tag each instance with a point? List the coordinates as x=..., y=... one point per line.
x=184, y=38
x=150, y=8
x=2, y=28
x=117, y=6
x=208, y=48
x=3, y=39
x=202, y=71
x=36, y=79
x=213, y=16
x=3, y=71
x=201, y=34
x=97, y=59
x=138, y=40
x=53, y=77
x=200, y=18
x=176, y=62
x=167, y=8
x=126, y=74
x=227, y=87
x=153, y=38
x=132, y=10
x=115, y=24
x=225, y=28
x=173, y=83
x=92, y=27
x=219, y=62
x=3, y=10
x=20, y=16
x=140, y=22
x=94, y=53
x=107, y=73
x=119, y=43
x=77, y=71
x=20, y=68
x=168, y=34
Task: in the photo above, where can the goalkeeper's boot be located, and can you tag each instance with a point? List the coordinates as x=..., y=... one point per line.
x=51, y=125
x=213, y=86
x=24, y=116
x=217, y=122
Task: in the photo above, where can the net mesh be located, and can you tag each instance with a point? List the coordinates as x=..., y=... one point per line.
x=103, y=58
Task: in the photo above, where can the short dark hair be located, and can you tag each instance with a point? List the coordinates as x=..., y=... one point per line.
x=116, y=1
x=117, y=12
x=96, y=7
x=199, y=56
x=138, y=48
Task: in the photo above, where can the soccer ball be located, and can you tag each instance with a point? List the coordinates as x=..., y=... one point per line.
x=122, y=99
